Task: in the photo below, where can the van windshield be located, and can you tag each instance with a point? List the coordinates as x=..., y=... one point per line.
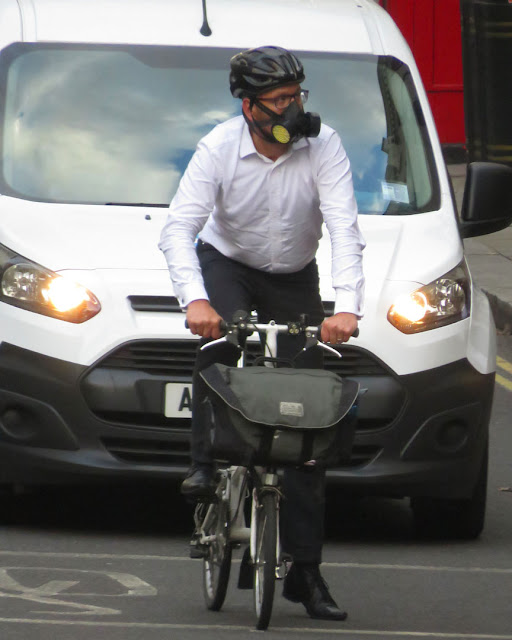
x=118, y=124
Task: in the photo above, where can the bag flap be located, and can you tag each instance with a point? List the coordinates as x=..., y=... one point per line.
x=303, y=398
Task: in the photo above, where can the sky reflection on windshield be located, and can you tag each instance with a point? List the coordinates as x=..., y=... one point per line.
x=102, y=125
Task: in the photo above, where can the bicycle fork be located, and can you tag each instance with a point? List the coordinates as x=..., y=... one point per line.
x=270, y=482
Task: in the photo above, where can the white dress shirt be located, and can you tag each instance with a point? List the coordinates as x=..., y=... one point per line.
x=267, y=215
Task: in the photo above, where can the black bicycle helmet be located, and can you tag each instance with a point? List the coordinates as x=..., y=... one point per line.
x=262, y=69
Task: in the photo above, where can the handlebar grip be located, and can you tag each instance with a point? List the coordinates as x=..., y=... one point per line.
x=354, y=335
x=223, y=326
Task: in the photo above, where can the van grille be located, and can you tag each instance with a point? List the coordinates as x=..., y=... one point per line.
x=163, y=452
x=159, y=452
x=162, y=357
x=177, y=357
x=167, y=304
x=127, y=387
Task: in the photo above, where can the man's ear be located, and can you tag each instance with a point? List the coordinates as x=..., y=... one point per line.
x=247, y=108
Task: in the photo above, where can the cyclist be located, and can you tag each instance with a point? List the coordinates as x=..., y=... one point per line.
x=256, y=193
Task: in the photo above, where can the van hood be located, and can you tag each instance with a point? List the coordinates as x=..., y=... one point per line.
x=400, y=248
x=78, y=237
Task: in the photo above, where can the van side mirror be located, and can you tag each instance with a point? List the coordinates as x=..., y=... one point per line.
x=487, y=201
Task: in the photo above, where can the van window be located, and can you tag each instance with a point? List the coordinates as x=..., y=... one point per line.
x=118, y=124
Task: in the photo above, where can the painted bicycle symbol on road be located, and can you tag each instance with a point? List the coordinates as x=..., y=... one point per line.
x=64, y=594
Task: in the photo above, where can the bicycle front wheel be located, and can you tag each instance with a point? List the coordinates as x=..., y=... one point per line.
x=217, y=561
x=265, y=558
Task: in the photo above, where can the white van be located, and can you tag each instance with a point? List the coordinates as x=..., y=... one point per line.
x=102, y=104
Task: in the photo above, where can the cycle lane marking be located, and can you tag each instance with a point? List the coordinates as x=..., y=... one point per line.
x=249, y=628
x=60, y=585
x=134, y=586
x=45, y=593
x=160, y=558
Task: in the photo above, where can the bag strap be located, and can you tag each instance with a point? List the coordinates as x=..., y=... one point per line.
x=307, y=445
x=214, y=379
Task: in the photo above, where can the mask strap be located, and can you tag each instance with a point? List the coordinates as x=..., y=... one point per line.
x=269, y=112
x=256, y=126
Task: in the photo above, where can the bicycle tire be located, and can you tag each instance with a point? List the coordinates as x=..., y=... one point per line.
x=217, y=562
x=265, y=559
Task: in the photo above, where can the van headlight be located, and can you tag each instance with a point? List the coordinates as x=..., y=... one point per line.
x=442, y=302
x=30, y=286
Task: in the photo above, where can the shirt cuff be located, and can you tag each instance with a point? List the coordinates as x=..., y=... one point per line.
x=348, y=303
x=190, y=292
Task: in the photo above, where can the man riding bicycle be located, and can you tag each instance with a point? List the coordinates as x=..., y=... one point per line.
x=256, y=193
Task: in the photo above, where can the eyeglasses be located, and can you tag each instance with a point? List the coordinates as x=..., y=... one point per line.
x=283, y=101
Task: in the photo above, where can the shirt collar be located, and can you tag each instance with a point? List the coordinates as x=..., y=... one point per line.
x=247, y=147
x=246, y=144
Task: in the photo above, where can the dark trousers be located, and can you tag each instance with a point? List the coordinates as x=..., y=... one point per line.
x=232, y=287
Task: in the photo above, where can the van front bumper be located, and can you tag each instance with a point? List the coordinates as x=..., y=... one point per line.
x=422, y=434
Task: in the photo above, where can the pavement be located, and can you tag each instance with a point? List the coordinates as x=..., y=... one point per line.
x=490, y=261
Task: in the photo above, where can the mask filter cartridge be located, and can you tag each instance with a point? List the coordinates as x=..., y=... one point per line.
x=294, y=124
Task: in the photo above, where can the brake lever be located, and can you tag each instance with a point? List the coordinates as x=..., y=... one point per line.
x=207, y=345
x=312, y=341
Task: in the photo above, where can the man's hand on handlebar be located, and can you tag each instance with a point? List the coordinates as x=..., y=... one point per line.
x=338, y=328
x=203, y=320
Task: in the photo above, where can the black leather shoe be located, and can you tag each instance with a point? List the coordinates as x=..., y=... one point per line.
x=305, y=584
x=199, y=482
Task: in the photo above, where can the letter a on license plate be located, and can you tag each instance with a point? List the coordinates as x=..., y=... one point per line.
x=178, y=400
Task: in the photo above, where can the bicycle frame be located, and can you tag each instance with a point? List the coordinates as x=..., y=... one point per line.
x=223, y=525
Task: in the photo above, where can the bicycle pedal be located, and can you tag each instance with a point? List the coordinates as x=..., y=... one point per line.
x=284, y=566
x=196, y=551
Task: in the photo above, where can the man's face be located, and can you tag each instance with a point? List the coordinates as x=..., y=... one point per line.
x=276, y=100
x=280, y=99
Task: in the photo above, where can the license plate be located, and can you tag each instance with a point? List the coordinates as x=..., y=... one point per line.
x=178, y=400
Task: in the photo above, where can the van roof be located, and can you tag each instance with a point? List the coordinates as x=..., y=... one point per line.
x=359, y=26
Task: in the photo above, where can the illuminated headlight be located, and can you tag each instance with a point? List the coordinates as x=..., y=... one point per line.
x=30, y=286
x=442, y=302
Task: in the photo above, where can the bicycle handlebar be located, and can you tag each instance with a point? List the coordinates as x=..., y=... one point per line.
x=243, y=325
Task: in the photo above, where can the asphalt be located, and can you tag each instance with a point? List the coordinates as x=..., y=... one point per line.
x=490, y=261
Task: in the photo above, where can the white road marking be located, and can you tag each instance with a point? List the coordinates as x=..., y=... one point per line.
x=83, y=609
x=135, y=586
x=45, y=593
x=342, y=565
x=51, y=588
x=237, y=628
x=419, y=567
